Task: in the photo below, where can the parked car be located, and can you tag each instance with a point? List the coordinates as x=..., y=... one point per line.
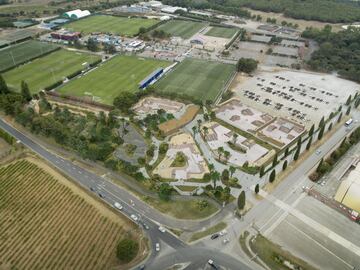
x=134, y=217
x=225, y=241
x=212, y=264
x=100, y=195
x=146, y=227
x=157, y=247
x=162, y=229
x=92, y=189
x=223, y=232
x=214, y=236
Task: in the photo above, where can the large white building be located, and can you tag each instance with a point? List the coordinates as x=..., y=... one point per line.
x=76, y=14
x=349, y=190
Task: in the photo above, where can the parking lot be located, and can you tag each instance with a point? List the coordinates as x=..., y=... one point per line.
x=303, y=97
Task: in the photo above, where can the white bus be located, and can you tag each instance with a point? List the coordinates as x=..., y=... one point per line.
x=348, y=122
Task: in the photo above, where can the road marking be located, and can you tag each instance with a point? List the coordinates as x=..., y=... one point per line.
x=313, y=224
x=319, y=244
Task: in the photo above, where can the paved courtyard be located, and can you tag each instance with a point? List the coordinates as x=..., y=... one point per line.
x=242, y=116
x=243, y=150
x=195, y=167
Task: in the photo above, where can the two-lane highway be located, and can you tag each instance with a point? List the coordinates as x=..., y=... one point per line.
x=111, y=193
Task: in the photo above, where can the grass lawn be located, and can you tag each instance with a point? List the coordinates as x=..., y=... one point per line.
x=221, y=32
x=274, y=256
x=121, y=73
x=47, y=70
x=110, y=24
x=183, y=209
x=183, y=29
x=196, y=79
x=218, y=227
x=23, y=52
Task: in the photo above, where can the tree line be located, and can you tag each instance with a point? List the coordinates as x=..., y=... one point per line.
x=319, y=10
x=337, y=51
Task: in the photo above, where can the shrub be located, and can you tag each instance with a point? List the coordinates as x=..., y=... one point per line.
x=127, y=250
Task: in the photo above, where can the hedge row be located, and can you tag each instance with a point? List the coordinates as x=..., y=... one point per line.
x=228, y=45
x=7, y=137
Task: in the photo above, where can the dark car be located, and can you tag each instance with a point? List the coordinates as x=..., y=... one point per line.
x=214, y=236
x=92, y=189
x=101, y=196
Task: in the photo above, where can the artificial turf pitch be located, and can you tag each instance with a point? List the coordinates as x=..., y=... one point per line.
x=110, y=24
x=197, y=79
x=180, y=28
x=20, y=53
x=121, y=73
x=47, y=70
x=221, y=32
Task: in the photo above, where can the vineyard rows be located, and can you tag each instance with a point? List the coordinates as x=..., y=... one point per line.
x=44, y=225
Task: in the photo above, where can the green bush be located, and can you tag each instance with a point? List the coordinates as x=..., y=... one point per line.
x=127, y=249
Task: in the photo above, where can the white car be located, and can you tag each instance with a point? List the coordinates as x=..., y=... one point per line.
x=157, y=247
x=134, y=217
x=162, y=229
x=223, y=232
x=318, y=152
x=118, y=206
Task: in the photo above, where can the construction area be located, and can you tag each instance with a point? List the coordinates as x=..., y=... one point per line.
x=194, y=166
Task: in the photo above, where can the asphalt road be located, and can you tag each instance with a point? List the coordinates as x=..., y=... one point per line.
x=111, y=193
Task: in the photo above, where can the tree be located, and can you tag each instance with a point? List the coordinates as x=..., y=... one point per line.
x=241, y=200
x=92, y=45
x=110, y=48
x=232, y=170
x=272, y=176
x=225, y=175
x=330, y=126
x=3, y=86
x=309, y=143
x=285, y=165
x=246, y=65
x=25, y=92
x=257, y=188
x=227, y=155
x=194, y=129
x=322, y=122
x=164, y=191
x=286, y=152
x=297, y=153
x=127, y=249
x=348, y=101
x=339, y=119
x=321, y=132
x=348, y=110
x=311, y=131
x=275, y=160
x=234, y=137
x=220, y=151
x=125, y=100
x=262, y=171
x=320, y=165
x=215, y=176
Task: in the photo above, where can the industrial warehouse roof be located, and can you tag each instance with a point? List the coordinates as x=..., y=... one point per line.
x=349, y=190
x=76, y=14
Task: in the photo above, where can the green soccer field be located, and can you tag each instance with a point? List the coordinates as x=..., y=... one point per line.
x=47, y=70
x=197, y=79
x=221, y=32
x=110, y=24
x=183, y=29
x=18, y=54
x=121, y=73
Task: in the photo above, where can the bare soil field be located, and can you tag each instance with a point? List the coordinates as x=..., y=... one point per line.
x=302, y=23
x=47, y=222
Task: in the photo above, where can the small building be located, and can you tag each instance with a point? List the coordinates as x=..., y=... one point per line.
x=149, y=79
x=172, y=10
x=76, y=14
x=66, y=35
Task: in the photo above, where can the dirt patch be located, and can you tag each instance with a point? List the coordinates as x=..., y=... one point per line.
x=302, y=23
